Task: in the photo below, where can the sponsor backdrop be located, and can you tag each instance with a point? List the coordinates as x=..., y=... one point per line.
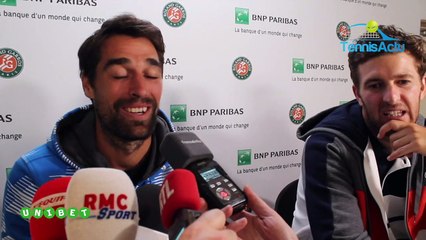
x=242, y=75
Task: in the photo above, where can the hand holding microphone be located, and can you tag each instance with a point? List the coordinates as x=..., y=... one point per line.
x=186, y=150
x=180, y=204
x=210, y=225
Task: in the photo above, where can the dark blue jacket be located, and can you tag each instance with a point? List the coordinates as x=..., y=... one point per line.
x=70, y=147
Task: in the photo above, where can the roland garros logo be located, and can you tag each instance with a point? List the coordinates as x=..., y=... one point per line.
x=297, y=113
x=11, y=63
x=343, y=31
x=174, y=14
x=241, y=68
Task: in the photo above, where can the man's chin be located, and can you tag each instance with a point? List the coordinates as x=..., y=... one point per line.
x=133, y=138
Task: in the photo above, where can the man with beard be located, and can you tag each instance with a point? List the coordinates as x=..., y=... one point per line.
x=121, y=68
x=363, y=163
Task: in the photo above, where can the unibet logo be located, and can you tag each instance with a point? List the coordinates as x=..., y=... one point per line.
x=8, y=2
x=174, y=14
x=242, y=68
x=298, y=65
x=242, y=16
x=297, y=113
x=50, y=213
x=244, y=157
x=11, y=63
x=178, y=113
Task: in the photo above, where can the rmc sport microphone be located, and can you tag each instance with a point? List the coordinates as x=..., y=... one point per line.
x=111, y=197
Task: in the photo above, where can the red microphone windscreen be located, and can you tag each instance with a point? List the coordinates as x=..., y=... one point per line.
x=179, y=191
x=49, y=195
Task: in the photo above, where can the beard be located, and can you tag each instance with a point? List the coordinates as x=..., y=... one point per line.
x=123, y=129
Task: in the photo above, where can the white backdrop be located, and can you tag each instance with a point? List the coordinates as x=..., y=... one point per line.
x=247, y=122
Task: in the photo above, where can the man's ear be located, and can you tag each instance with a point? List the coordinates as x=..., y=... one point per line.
x=355, y=90
x=423, y=87
x=87, y=87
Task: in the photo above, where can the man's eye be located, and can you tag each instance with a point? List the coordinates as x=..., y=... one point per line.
x=404, y=82
x=120, y=77
x=152, y=76
x=374, y=86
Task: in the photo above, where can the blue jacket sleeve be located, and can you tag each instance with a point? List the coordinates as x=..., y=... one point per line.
x=19, y=191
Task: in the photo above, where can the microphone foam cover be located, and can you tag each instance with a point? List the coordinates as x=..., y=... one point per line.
x=51, y=194
x=111, y=197
x=179, y=191
x=184, y=148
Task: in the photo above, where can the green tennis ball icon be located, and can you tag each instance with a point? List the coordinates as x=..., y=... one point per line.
x=372, y=26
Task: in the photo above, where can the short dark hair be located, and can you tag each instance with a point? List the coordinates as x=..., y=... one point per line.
x=414, y=44
x=89, y=53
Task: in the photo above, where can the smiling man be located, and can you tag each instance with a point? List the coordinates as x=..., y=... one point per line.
x=363, y=162
x=121, y=68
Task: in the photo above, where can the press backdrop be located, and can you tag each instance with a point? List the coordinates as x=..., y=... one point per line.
x=242, y=75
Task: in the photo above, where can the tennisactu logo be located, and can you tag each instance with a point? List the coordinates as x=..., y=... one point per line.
x=371, y=38
x=241, y=67
x=174, y=14
x=11, y=63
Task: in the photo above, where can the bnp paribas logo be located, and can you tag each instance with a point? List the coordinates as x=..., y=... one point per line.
x=244, y=157
x=242, y=68
x=178, y=112
x=298, y=65
x=242, y=16
x=297, y=113
x=174, y=14
x=8, y=2
x=8, y=170
x=11, y=63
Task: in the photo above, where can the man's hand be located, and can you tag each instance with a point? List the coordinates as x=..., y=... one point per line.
x=404, y=138
x=264, y=223
x=211, y=225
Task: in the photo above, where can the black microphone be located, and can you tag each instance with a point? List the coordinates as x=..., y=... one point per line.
x=186, y=150
x=149, y=207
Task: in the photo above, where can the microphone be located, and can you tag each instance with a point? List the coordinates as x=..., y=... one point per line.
x=179, y=202
x=149, y=211
x=186, y=150
x=111, y=198
x=50, y=196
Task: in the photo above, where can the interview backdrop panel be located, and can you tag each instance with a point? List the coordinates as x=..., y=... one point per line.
x=242, y=75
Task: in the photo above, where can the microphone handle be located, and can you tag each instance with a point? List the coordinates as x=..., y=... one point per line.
x=183, y=218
